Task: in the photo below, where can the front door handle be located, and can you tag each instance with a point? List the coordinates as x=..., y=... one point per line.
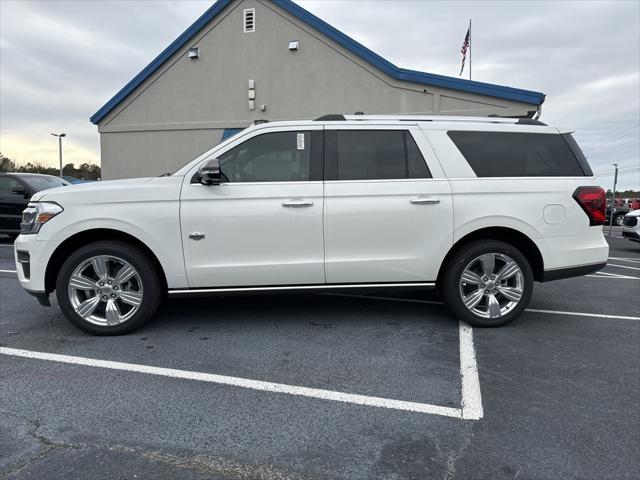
x=297, y=203
x=424, y=201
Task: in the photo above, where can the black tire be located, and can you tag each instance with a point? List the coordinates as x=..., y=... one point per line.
x=618, y=220
x=452, y=274
x=147, y=273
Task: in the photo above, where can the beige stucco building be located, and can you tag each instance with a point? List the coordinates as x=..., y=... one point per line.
x=253, y=60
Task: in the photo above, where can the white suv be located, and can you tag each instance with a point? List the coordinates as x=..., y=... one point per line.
x=478, y=207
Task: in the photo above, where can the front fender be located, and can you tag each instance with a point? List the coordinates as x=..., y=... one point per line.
x=158, y=228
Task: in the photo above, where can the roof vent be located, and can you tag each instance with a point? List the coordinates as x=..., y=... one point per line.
x=249, y=20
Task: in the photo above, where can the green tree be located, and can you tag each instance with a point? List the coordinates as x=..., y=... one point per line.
x=6, y=164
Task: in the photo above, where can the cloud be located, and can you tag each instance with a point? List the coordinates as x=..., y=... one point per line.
x=60, y=61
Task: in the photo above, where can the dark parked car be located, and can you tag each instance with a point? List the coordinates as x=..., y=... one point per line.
x=16, y=190
x=619, y=211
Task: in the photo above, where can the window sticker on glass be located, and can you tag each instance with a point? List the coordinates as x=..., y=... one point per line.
x=301, y=141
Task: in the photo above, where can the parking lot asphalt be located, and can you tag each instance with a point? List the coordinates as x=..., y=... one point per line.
x=560, y=387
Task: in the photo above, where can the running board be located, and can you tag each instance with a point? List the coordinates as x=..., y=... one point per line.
x=188, y=291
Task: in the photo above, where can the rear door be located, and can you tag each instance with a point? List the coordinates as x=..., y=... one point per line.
x=388, y=209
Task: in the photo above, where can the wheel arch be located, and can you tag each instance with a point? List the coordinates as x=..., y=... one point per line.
x=85, y=237
x=504, y=234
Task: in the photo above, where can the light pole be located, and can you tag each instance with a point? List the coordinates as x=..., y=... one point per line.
x=60, y=137
x=613, y=197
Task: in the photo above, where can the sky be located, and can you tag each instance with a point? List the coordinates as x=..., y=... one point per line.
x=62, y=60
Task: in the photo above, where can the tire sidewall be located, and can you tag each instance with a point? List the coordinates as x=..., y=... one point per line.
x=137, y=259
x=457, y=264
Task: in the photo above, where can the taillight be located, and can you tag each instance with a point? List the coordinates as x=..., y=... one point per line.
x=593, y=201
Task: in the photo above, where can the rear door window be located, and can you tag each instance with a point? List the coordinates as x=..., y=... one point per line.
x=375, y=155
x=515, y=154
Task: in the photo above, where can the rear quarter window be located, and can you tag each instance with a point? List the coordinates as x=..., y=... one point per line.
x=515, y=154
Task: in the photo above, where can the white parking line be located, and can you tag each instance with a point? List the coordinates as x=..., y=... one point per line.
x=583, y=314
x=612, y=276
x=622, y=266
x=532, y=310
x=625, y=259
x=471, y=399
x=8, y=271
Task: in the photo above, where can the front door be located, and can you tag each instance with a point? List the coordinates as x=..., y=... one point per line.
x=263, y=224
x=388, y=212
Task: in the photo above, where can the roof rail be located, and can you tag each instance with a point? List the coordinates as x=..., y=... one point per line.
x=428, y=118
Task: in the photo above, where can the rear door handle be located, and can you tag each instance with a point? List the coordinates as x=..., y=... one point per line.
x=424, y=201
x=297, y=203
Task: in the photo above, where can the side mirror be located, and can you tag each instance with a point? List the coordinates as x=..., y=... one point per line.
x=19, y=191
x=210, y=173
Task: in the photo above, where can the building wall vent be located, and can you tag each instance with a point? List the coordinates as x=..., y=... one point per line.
x=249, y=20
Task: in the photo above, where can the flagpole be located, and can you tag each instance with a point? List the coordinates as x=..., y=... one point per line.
x=470, y=49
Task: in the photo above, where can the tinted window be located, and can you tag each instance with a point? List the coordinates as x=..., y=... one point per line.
x=43, y=183
x=416, y=166
x=512, y=154
x=271, y=157
x=378, y=155
x=8, y=183
x=582, y=160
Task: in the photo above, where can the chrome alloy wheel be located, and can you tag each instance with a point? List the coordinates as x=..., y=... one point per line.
x=105, y=290
x=491, y=285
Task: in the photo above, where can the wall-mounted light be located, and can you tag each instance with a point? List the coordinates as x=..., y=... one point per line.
x=194, y=52
x=294, y=45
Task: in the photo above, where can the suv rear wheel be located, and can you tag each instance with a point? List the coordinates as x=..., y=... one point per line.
x=487, y=283
x=108, y=288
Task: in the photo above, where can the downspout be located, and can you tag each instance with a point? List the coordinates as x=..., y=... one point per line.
x=538, y=113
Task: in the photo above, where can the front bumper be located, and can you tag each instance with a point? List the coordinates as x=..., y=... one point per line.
x=634, y=236
x=32, y=257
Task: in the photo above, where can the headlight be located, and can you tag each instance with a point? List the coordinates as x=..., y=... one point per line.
x=37, y=214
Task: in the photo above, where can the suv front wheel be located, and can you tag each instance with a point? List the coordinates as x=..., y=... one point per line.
x=108, y=288
x=487, y=283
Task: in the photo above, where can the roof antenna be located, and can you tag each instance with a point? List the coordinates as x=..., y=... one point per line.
x=359, y=113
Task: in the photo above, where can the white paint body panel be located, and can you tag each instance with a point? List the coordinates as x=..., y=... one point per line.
x=355, y=231
x=250, y=238
x=373, y=233
x=147, y=209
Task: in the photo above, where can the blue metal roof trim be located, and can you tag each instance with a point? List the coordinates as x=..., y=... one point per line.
x=489, y=89
x=509, y=93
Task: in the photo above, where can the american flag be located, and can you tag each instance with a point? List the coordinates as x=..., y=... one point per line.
x=465, y=47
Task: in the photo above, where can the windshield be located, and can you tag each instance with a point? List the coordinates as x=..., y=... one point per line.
x=44, y=182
